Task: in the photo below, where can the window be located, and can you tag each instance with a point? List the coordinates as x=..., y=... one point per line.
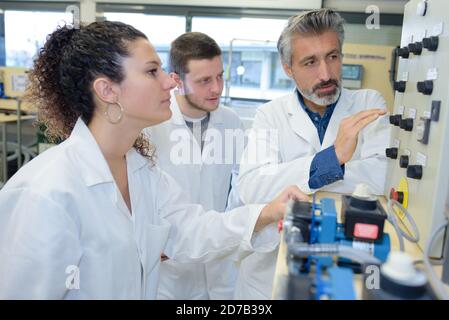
x=279, y=80
x=21, y=43
x=253, y=44
x=161, y=30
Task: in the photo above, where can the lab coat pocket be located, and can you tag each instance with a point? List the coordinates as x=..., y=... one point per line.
x=152, y=245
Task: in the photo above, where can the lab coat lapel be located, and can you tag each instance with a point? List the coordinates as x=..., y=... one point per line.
x=341, y=111
x=178, y=123
x=135, y=162
x=95, y=169
x=301, y=124
x=216, y=124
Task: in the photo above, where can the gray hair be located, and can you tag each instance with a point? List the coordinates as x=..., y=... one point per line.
x=313, y=22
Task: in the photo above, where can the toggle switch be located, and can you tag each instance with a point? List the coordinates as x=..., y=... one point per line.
x=391, y=153
x=425, y=87
x=422, y=130
x=415, y=48
x=396, y=119
x=414, y=172
x=406, y=124
x=430, y=43
x=399, y=86
x=403, y=161
x=403, y=52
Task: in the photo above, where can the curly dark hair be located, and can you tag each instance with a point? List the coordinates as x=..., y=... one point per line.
x=65, y=68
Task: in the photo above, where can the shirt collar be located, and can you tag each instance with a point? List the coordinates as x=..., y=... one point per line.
x=215, y=117
x=93, y=166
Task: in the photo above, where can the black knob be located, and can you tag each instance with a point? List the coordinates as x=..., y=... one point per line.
x=391, y=153
x=406, y=124
x=425, y=87
x=403, y=161
x=399, y=86
x=414, y=172
x=403, y=52
x=400, y=197
x=430, y=43
x=396, y=119
x=415, y=48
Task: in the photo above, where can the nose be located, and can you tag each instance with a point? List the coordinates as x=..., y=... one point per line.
x=217, y=86
x=324, y=71
x=168, y=83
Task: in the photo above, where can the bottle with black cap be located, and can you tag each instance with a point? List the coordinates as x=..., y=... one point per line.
x=400, y=280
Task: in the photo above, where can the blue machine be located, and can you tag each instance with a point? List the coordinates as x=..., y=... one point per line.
x=324, y=228
x=320, y=226
x=339, y=286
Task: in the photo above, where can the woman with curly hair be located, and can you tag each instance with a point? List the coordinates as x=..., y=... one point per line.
x=91, y=217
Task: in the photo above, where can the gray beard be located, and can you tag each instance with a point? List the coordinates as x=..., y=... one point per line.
x=321, y=101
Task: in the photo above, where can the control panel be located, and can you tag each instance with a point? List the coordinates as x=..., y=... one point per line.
x=418, y=168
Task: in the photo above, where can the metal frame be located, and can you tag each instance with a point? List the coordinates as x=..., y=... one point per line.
x=190, y=11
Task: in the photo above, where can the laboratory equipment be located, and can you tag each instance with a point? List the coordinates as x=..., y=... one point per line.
x=314, y=238
x=418, y=174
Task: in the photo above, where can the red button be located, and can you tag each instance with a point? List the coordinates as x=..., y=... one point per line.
x=366, y=231
x=393, y=194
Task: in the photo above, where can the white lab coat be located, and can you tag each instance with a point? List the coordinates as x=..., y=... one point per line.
x=285, y=157
x=204, y=182
x=63, y=212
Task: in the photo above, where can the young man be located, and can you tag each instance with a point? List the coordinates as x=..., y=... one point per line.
x=197, y=148
x=328, y=138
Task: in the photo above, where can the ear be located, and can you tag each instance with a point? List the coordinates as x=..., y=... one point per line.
x=288, y=70
x=177, y=79
x=106, y=90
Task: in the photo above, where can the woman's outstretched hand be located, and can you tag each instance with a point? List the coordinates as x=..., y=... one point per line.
x=275, y=210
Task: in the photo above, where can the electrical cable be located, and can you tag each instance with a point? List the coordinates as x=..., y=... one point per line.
x=399, y=231
x=435, y=282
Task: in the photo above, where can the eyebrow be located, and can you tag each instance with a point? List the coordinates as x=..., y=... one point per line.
x=211, y=76
x=153, y=62
x=314, y=56
x=307, y=58
x=333, y=51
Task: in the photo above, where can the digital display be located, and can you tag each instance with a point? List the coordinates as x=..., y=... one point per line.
x=352, y=71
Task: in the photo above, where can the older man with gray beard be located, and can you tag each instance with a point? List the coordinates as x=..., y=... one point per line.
x=327, y=137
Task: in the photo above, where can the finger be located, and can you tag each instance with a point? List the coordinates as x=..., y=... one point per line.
x=363, y=123
x=360, y=116
x=295, y=193
x=164, y=257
